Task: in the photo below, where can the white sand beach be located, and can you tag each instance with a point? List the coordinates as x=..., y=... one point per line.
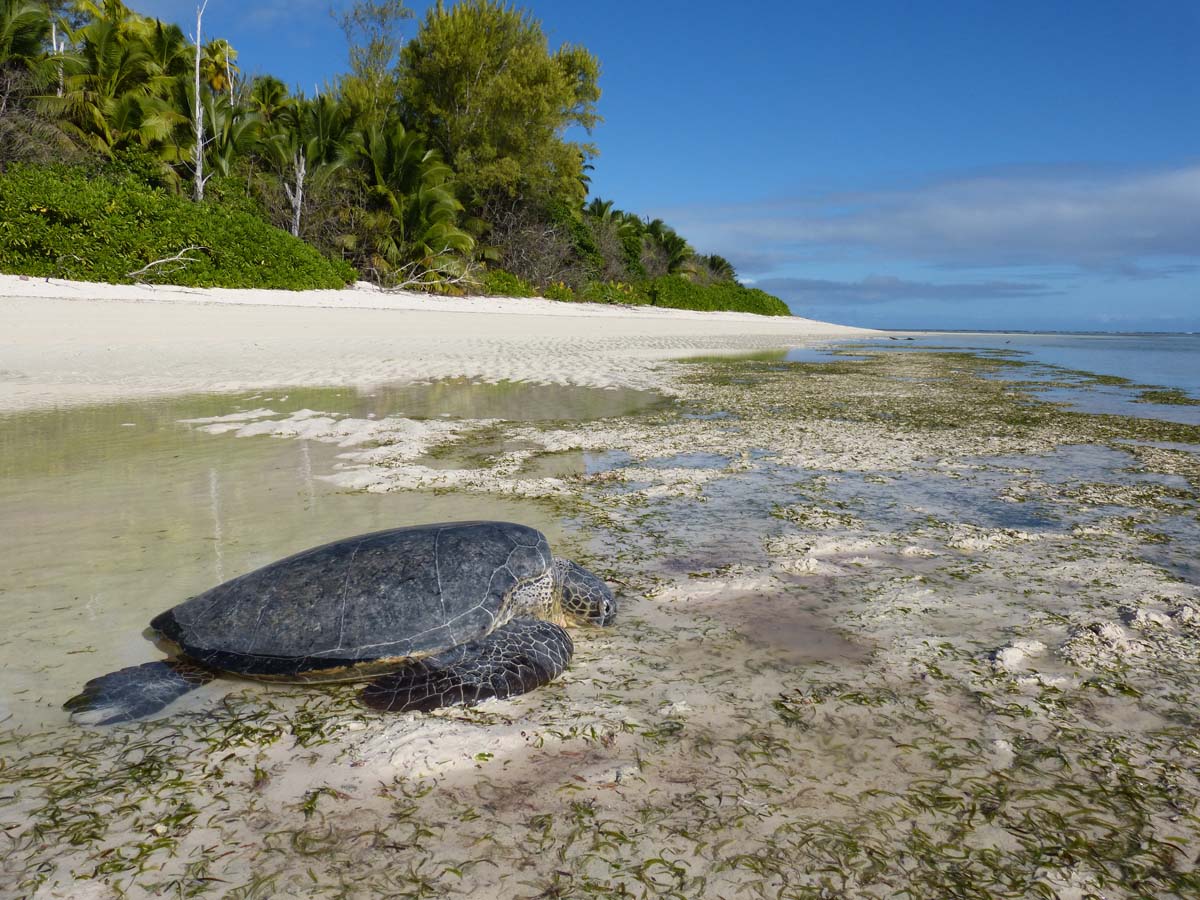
x=64, y=342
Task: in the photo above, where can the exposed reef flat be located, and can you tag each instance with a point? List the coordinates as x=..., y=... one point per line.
x=895, y=627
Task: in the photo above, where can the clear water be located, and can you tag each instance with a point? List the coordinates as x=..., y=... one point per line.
x=1170, y=361
x=115, y=512
x=817, y=354
x=1166, y=360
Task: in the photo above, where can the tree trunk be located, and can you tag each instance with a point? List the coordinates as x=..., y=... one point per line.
x=198, y=120
x=57, y=52
x=296, y=195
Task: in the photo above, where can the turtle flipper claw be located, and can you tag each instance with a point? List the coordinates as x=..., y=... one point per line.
x=134, y=692
x=513, y=659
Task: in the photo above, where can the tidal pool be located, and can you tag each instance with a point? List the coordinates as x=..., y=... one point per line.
x=112, y=513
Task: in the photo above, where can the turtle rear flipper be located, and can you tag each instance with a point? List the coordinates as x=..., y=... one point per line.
x=136, y=691
x=513, y=659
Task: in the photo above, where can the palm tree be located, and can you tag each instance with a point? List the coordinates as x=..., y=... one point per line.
x=306, y=140
x=24, y=71
x=217, y=66
x=121, y=81
x=233, y=131
x=24, y=28
x=719, y=268
x=268, y=97
x=601, y=209
x=412, y=216
x=169, y=56
x=104, y=78
x=678, y=252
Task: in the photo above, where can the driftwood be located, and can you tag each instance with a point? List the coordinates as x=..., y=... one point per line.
x=179, y=260
x=415, y=274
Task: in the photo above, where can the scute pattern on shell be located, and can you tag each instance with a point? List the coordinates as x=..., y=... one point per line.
x=405, y=592
x=513, y=659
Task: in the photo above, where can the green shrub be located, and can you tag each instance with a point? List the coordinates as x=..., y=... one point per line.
x=64, y=222
x=614, y=292
x=677, y=292
x=139, y=164
x=580, y=236
x=631, y=248
x=560, y=290
x=499, y=283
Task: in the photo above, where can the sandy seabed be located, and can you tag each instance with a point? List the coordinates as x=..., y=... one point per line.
x=891, y=626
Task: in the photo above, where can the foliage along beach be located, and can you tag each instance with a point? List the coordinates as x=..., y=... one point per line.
x=128, y=153
x=893, y=622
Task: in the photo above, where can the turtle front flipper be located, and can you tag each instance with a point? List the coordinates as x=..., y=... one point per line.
x=513, y=659
x=136, y=691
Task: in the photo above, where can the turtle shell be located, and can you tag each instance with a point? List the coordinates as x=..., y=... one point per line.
x=391, y=595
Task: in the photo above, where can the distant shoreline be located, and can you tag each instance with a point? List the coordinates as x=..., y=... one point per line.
x=70, y=342
x=1027, y=332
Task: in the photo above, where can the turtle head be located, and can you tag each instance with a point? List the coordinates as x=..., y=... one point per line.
x=584, y=596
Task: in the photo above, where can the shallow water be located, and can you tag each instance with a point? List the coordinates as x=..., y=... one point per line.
x=513, y=401
x=1169, y=361
x=112, y=513
x=790, y=630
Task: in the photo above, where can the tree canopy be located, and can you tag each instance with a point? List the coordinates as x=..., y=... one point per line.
x=479, y=79
x=441, y=162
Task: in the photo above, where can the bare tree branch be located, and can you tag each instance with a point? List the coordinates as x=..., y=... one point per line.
x=178, y=261
x=417, y=274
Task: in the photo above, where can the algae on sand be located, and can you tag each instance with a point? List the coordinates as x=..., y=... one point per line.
x=1016, y=717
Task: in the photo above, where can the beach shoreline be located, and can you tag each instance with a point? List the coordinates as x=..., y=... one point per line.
x=64, y=343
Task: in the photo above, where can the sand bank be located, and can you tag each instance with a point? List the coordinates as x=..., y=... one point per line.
x=64, y=342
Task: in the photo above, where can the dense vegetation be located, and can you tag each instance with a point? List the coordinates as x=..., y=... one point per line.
x=110, y=227
x=439, y=163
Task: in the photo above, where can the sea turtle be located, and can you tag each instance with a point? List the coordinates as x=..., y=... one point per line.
x=431, y=615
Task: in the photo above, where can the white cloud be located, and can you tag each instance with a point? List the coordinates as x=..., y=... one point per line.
x=886, y=288
x=1091, y=219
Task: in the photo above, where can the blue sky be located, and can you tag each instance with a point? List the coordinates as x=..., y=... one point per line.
x=958, y=164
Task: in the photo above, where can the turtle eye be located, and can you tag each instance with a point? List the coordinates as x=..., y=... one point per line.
x=607, y=614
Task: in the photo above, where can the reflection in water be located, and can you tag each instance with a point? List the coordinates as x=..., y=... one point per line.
x=514, y=401
x=215, y=501
x=306, y=473
x=112, y=513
